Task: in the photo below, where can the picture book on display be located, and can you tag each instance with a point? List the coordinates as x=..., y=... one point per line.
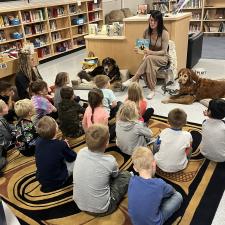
x=142, y=44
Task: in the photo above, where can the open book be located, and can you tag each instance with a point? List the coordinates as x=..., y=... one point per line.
x=142, y=44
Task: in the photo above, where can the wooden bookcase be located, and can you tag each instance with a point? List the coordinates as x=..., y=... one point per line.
x=53, y=28
x=159, y=5
x=207, y=16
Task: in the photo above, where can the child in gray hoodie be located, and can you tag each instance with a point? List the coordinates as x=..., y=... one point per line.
x=130, y=132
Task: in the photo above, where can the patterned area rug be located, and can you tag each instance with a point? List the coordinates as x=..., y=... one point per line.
x=20, y=190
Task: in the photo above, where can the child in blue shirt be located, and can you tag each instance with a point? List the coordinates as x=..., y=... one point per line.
x=151, y=201
x=110, y=103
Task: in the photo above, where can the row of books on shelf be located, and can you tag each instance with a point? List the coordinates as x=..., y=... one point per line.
x=40, y=41
x=196, y=16
x=11, y=45
x=194, y=4
x=55, y=12
x=56, y=36
x=116, y=29
x=34, y=29
x=33, y=16
x=94, y=16
x=214, y=14
x=9, y=20
x=93, y=6
x=212, y=28
x=195, y=28
x=75, y=9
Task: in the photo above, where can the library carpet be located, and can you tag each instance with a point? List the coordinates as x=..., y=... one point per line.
x=201, y=184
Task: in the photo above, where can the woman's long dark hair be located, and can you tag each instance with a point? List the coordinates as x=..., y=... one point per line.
x=157, y=15
x=95, y=97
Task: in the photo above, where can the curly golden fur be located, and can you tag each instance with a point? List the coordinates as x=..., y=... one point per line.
x=193, y=88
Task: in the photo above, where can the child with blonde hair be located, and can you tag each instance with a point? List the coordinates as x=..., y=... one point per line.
x=26, y=135
x=135, y=94
x=99, y=186
x=130, y=132
x=173, y=145
x=150, y=200
x=110, y=103
x=95, y=112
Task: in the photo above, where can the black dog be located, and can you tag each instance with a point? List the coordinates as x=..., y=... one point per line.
x=108, y=68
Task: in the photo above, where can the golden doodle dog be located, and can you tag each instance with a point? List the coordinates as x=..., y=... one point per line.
x=193, y=88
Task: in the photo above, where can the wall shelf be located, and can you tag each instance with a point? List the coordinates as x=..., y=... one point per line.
x=50, y=17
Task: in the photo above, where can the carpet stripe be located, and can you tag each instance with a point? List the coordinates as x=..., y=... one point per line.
x=189, y=212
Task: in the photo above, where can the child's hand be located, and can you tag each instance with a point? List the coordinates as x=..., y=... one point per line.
x=67, y=142
x=205, y=113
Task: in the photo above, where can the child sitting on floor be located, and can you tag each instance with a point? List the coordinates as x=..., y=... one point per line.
x=7, y=95
x=173, y=145
x=135, y=94
x=41, y=104
x=98, y=185
x=54, y=158
x=69, y=113
x=26, y=134
x=6, y=134
x=213, y=131
x=130, y=132
x=109, y=101
x=62, y=79
x=150, y=200
x=95, y=112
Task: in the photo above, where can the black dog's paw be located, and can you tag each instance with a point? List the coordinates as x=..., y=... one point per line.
x=84, y=75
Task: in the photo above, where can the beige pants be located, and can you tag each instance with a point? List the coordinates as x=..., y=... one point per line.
x=149, y=67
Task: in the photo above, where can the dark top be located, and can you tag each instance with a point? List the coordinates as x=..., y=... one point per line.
x=26, y=137
x=70, y=124
x=144, y=200
x=50, y=158
x=22, y=84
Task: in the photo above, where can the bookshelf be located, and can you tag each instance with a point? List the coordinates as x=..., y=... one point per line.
x=164, y=6
x=207, y=16
x=53, y=28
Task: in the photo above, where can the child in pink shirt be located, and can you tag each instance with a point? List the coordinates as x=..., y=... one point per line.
x=95, y=112
x=135, y=94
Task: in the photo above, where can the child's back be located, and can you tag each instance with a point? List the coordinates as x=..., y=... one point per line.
x=213, y=140
x=98, y=184
x=69, y=111
x=144, y=199
x=51, y=156
x=151, y=201
x=213, y=131
x=131, y=135
x=171, y=156
x=92, y=191
x=173, y=143
x=130, y=132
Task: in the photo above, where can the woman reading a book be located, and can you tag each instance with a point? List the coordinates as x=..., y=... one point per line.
x=157, y=54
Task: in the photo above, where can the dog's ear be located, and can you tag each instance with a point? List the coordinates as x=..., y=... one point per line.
x=91, y=54
x=113, y=61
x=194, y=76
